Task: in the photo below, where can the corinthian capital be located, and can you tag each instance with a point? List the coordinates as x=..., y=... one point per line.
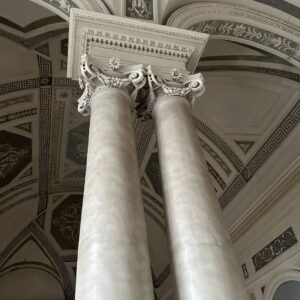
x=177, y=84
x=109, y=75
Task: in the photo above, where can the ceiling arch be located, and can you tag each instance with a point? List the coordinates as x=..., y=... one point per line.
x=240, y=24
x=63, y=7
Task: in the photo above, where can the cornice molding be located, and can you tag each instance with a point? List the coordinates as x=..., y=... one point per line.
x=266, y=202
x=133, y=41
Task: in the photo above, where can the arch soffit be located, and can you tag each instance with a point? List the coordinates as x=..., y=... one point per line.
x=280, y=278
x=243, y=25
x=62, y=7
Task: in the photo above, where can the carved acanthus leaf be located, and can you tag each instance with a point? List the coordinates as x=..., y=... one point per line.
x=188, y=86
x=93, y=78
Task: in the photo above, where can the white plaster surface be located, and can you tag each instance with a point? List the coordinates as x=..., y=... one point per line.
x=204, y=263
x=113, y=260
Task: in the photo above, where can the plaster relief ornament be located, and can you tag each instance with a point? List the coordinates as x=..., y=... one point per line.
x=250, y=33
x=139, y=9
x=64, y=5
x=188, y=86
x=93, y=78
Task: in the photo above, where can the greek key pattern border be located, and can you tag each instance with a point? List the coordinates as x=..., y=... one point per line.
x=19, y=85
x=45, y=71
x=233, y=189
x=227, y=151
x=278, y=136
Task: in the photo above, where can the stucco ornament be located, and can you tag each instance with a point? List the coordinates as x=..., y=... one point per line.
x=63, y=5
x=93, y=78
x=115, y=63
x=188, y=86
x=140, y=8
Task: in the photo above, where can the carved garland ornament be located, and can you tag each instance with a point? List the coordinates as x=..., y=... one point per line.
x=178, y=84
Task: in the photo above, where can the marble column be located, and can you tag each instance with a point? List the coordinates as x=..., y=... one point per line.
x=204, y=263
x=113, y=260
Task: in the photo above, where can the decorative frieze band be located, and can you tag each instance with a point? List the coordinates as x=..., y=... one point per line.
x=133, y=79
x=283, y=242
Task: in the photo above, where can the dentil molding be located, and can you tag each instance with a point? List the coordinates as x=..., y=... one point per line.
x=102, y=37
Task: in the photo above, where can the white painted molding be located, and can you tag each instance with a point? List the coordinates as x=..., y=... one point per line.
x=135, y=42
x=276, y=36
x=278, y=279
x=93, y=5
x=280, y=187
x=50, y=7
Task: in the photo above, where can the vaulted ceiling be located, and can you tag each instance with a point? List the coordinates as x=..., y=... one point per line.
x=247, y=123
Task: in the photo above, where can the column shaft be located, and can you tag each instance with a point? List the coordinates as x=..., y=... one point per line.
x=203, y=260
x=113, y=259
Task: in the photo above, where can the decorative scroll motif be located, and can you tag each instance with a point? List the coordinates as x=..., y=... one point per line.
x=283, y=242
x=250, y=33
x=189, y=86
x=94, y=78
x=174, y=84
